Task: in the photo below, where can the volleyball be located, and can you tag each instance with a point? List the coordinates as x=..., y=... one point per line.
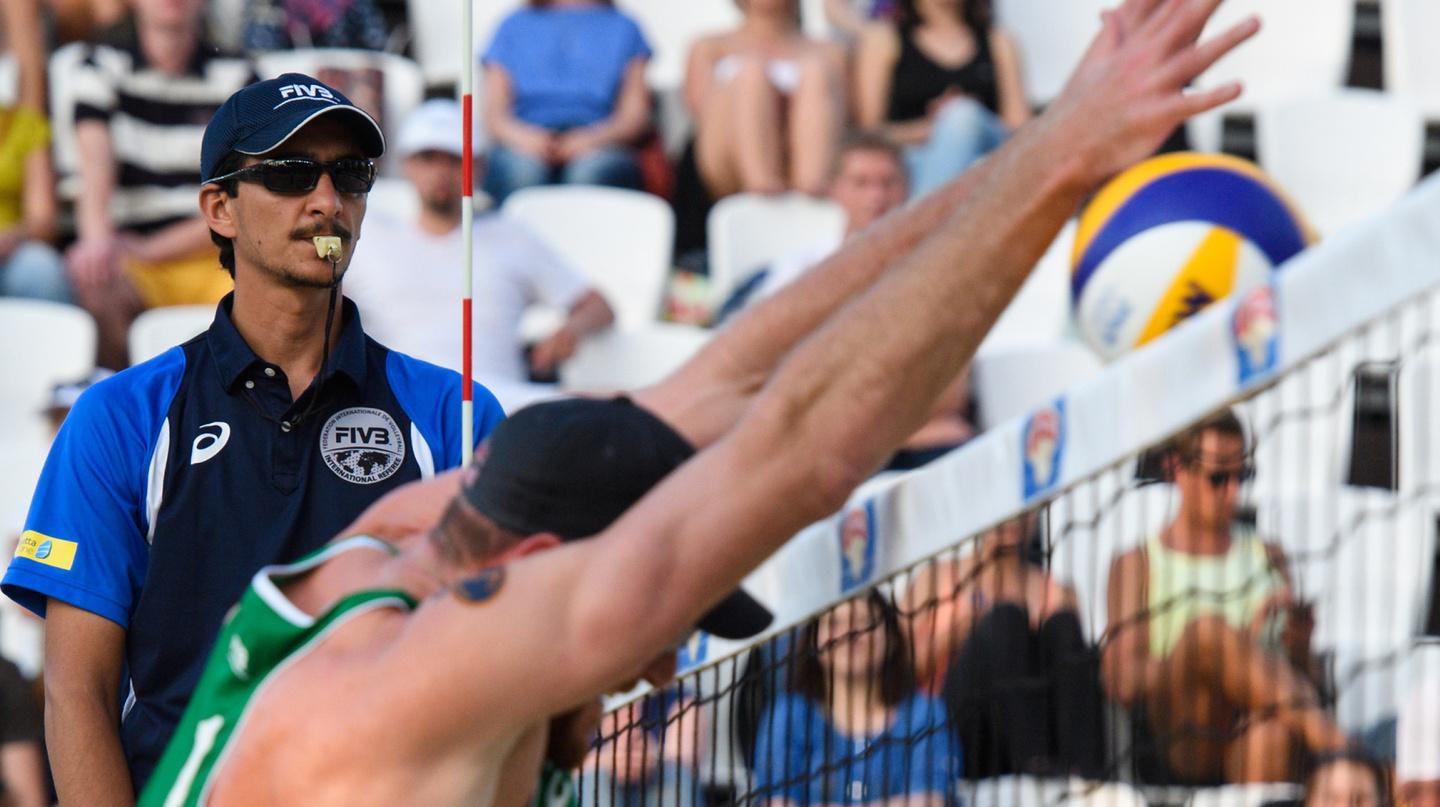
x=1170, y=236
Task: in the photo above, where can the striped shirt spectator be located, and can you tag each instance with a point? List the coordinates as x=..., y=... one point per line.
x=156, y=122
x=142, y=99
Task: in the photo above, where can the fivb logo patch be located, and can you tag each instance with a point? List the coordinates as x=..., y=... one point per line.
x=857, y=547
x=56, y=552
x=362, y=445
x=291, y=93
x=1042, y=449
x=1255, y=328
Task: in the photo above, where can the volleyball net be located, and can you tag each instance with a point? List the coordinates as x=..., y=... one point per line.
x=1214, y=560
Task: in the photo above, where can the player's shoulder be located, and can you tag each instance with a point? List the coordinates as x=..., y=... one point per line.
x=136, y=394
x=408, y=375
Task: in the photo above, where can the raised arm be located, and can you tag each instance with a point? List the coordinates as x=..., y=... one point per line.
x=584, y=617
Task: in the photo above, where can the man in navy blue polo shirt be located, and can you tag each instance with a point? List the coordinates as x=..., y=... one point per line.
x=174, y=481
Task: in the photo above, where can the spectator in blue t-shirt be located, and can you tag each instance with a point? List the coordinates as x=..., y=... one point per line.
x=565, y=97
x=852, y=729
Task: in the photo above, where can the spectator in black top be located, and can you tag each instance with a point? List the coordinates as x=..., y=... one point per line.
x=945, y=82
x=142, y=102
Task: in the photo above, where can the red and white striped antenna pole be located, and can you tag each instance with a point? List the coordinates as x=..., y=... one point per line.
x=467, y=228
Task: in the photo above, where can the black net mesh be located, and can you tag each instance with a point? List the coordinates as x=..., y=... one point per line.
x=1217, y=610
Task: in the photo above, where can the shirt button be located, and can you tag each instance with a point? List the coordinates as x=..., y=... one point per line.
x=249, y=385
x=284, y=425
x=269, y=372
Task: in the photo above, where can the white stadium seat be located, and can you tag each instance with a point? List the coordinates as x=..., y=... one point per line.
x=747, y=231
x=1412, y=62
x=1011, y=381
x=619, y=239
x=1343, y=155
x=627, y=358
x=1303, y=48
x=159, y=329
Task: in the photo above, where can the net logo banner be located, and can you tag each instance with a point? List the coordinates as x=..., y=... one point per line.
x=1042, y=449
x=857, y=547
x=1255, y=331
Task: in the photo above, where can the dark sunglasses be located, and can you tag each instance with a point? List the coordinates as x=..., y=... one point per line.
x=298, y=175
x=1221, y=478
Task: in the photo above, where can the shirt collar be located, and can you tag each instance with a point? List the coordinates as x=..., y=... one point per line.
x=234, y=358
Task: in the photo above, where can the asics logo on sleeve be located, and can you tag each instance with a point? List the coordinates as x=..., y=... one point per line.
x=209, y=443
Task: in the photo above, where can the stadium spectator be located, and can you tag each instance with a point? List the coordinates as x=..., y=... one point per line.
x=768, y=104
x=171, y=483
x=867, y=181
x=1417, y=742
x=565, y=97
x=406, y=274
x=142, y=101
x=646, y=755
x=1001, y=641
x=1206, y=643
x=944, y=81
x=1345, y=779
x=23, y=782
x=286, y=24
x=852, y=728
x=29, y=265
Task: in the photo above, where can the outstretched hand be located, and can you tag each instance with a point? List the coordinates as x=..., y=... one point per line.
x=1128, y=93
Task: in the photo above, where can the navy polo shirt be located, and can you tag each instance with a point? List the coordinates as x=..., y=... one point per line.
x=171, y=483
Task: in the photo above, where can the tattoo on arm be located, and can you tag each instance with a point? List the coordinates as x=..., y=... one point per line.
x=481, y=586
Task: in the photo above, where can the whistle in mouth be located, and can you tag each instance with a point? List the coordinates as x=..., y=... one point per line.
x=328, y=247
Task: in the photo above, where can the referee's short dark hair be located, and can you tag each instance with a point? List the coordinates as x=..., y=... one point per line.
x=231, y=162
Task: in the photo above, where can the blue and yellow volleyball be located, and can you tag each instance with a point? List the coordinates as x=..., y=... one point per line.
x=1165, y=239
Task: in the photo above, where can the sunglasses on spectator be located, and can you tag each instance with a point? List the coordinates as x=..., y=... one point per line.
x=298, y=175
x=1219, y=479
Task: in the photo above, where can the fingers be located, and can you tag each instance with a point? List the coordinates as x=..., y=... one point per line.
x=1185, y=25
x=1187, y=105
x=1195, y=61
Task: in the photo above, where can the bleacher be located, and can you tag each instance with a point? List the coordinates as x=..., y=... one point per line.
x=1342, y=107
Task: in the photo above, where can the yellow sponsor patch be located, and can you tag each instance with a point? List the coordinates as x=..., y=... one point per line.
x=56, y=552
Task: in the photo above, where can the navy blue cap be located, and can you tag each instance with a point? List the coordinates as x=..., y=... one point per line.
x=260, y=117
x=572, y=467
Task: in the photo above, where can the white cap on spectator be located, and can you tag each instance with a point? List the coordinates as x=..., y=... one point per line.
x=436, y=126
x=1417, y=736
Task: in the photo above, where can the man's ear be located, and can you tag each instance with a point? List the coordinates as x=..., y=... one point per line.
x=529, y=546
x=216, y=208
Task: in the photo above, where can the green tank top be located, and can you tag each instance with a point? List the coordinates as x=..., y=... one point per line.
x=261, y=636
x=1183, y=587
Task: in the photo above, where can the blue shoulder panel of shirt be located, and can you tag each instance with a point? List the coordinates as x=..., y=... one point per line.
x=430, y=395
x=84, y=541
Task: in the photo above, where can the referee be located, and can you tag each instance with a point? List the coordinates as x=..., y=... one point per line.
x=171, y=483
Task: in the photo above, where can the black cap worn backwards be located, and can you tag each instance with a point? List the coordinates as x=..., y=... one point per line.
x=260, y=117
x=572, y=467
